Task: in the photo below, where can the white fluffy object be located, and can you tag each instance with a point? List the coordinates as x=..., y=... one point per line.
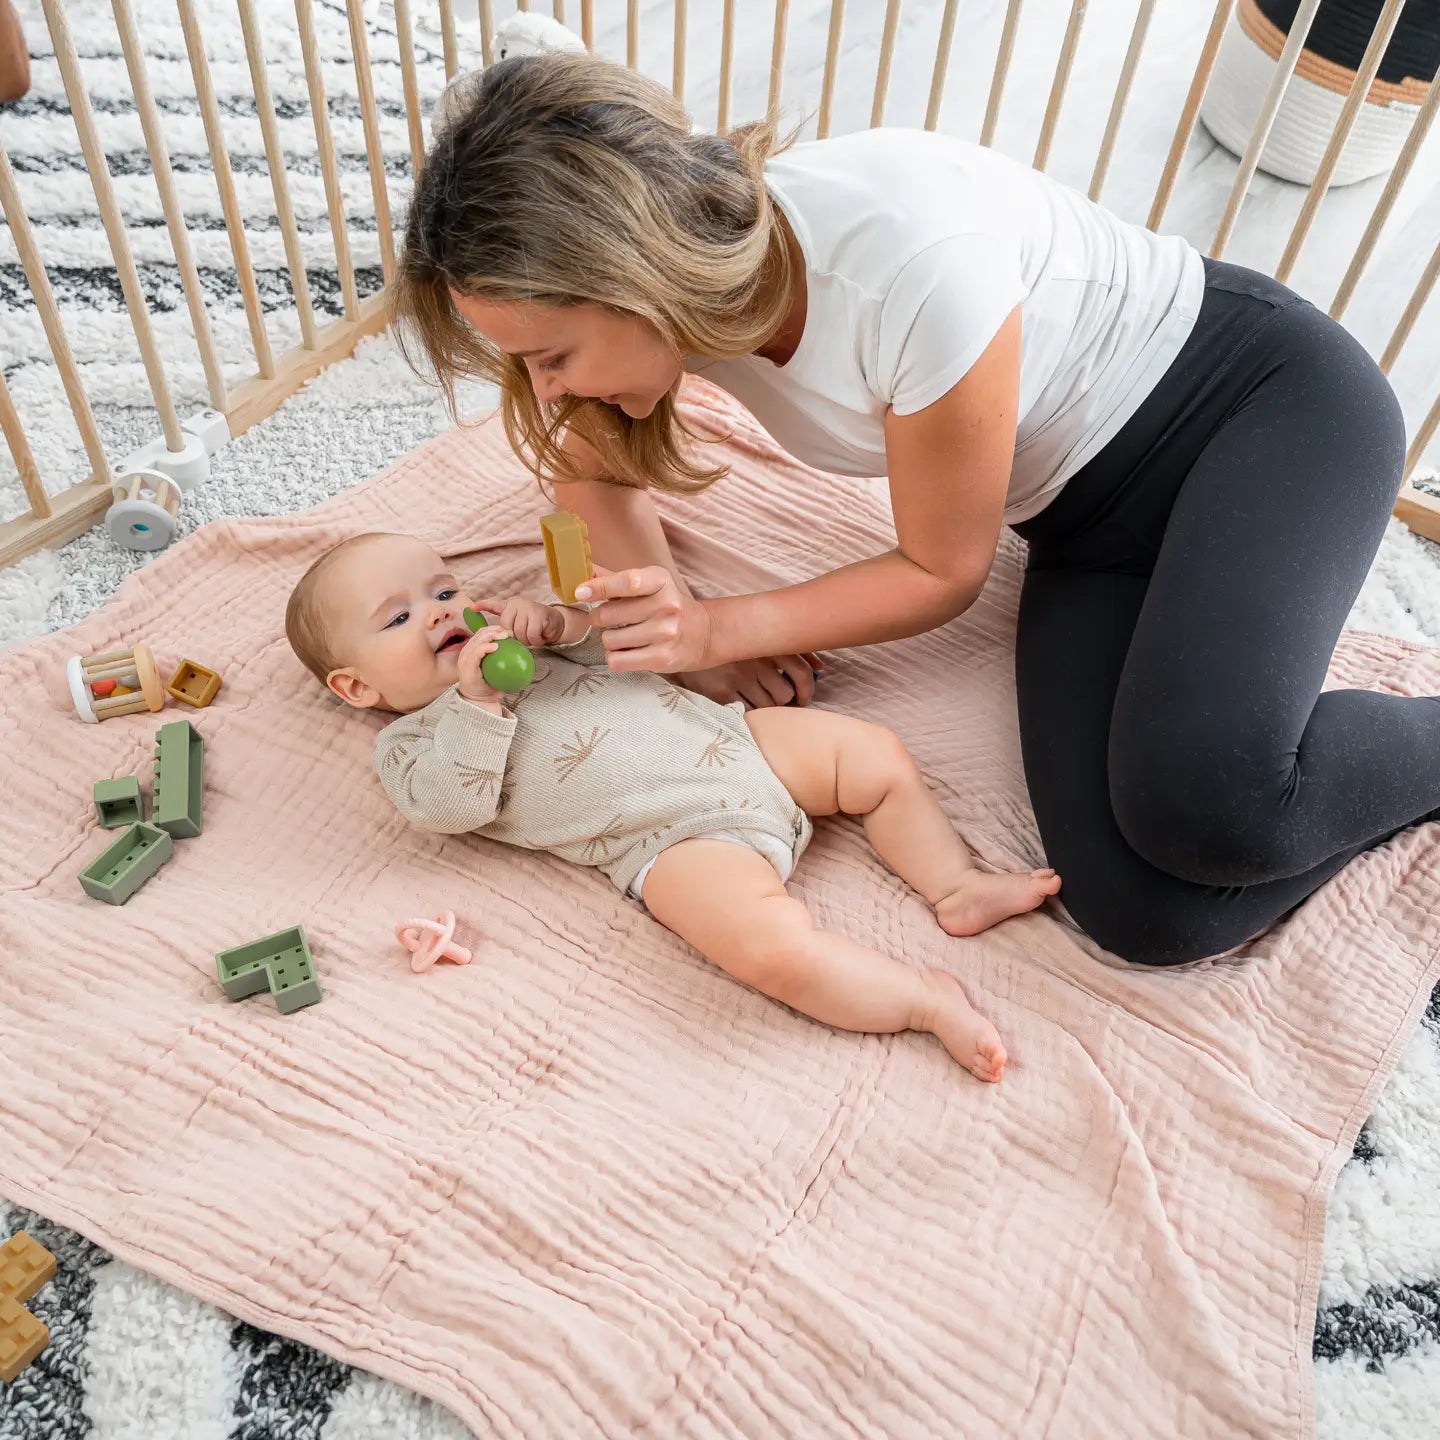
x=524, y=33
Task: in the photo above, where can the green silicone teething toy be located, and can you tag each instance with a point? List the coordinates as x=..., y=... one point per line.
x=511, y=667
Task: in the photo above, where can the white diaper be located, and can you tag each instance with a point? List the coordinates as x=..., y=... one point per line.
x=777, y=852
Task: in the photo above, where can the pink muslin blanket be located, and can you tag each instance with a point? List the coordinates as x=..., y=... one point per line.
x=588, y=1185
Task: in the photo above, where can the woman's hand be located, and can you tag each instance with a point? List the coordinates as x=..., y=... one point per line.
x=783, y=680
x=647, y=621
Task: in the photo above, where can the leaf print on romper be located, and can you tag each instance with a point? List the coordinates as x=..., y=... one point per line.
x=597, y=847
x=484, y=783
x=574, y=754
x=723, y=750
x=585, y=683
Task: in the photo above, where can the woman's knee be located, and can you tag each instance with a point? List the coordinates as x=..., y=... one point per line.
x=1206, y=809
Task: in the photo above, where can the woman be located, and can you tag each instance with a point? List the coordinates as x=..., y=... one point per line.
x=1201, y=462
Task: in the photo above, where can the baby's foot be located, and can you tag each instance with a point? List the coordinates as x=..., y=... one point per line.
x=980, y=900
x=963, y=1030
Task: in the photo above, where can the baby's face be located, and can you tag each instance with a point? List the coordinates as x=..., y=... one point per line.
x=395, y=617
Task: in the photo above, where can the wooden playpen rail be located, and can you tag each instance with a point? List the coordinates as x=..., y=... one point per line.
x=58, y=517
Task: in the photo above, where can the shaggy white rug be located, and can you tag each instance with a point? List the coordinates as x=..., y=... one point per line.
x=132, y=1359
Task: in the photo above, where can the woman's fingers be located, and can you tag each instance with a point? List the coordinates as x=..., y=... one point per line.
x=656, y=635
x=619, y=584
x=799, y=676
x=615, y=616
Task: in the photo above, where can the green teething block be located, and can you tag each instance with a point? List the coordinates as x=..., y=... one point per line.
x=125, y=865
x=117, y=802
x=280, y=963
x=179, y=779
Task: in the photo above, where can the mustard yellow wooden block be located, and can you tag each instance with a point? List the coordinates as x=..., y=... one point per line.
x=25, y=1265
x=567, y=553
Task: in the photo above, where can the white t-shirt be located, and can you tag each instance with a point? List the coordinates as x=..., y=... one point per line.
x=917, y=246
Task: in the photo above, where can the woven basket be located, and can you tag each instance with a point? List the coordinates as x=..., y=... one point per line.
x=1322, y=80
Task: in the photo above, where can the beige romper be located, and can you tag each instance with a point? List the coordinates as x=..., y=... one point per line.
x=598, y=767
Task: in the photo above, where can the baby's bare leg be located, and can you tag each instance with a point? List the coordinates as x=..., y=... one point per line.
x=728, y=902
x=837, y=764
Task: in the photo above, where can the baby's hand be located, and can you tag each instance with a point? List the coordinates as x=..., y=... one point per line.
x=471, y=683
x=530, y=622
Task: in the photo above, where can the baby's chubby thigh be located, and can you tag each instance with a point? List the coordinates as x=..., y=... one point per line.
x=729, y=902
x=831, y=764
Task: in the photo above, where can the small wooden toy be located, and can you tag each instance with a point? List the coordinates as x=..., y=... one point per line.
x=431, y=940
x=280, y=963
x=117, y=802
x=567, y=553
x=179, y=779
x=143, y=515
x=194, y=684
x=126, y=864
x=511, y=667
x=25, y=1265
x=120, y=682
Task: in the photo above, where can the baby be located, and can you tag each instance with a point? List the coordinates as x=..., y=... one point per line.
x=697, y=809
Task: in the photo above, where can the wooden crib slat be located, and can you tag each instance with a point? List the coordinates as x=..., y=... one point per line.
x=727, y=57
x=370, y=123
x=832, y=56
x=587, y=23
x=558, y=10
x=1185, y=128
x=1122, y=96
x=447, y=39
x=1060, y=84
x=1002, y=69
x=410, y=84
x=23, y=456
x=632, y=34
x=942, y=64
x=1398, y=176
x=777, y=54
x=170, y=201
x=677, y=82
x=1419, y=509
x=325, y=144
x=1269, y=108
x=100, y=182
x=887, y=57
x=225, y=184
x=275, y=163
x=1349, y=113
x=1418, y=297
x=487, y=31
x=55, y=337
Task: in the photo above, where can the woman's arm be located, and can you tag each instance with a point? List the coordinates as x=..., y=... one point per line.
x=949, y=474
x=625, y=533
x=624, y=526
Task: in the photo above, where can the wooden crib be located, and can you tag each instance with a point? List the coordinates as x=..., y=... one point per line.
x=806, y=58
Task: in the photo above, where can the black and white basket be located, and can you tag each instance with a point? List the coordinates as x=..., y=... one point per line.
x=1323, y=77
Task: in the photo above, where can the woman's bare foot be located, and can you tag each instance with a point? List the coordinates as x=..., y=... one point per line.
x=981, y=900
x=961, y=1028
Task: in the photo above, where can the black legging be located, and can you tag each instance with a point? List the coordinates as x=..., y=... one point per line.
x=1183, y=596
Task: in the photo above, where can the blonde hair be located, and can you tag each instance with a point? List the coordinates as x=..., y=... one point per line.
x=306, y=623
x=566, y=179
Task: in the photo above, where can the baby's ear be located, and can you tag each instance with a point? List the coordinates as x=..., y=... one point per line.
x=353, y=690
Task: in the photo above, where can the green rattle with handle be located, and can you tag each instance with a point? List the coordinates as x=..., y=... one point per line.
x=511, y=667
